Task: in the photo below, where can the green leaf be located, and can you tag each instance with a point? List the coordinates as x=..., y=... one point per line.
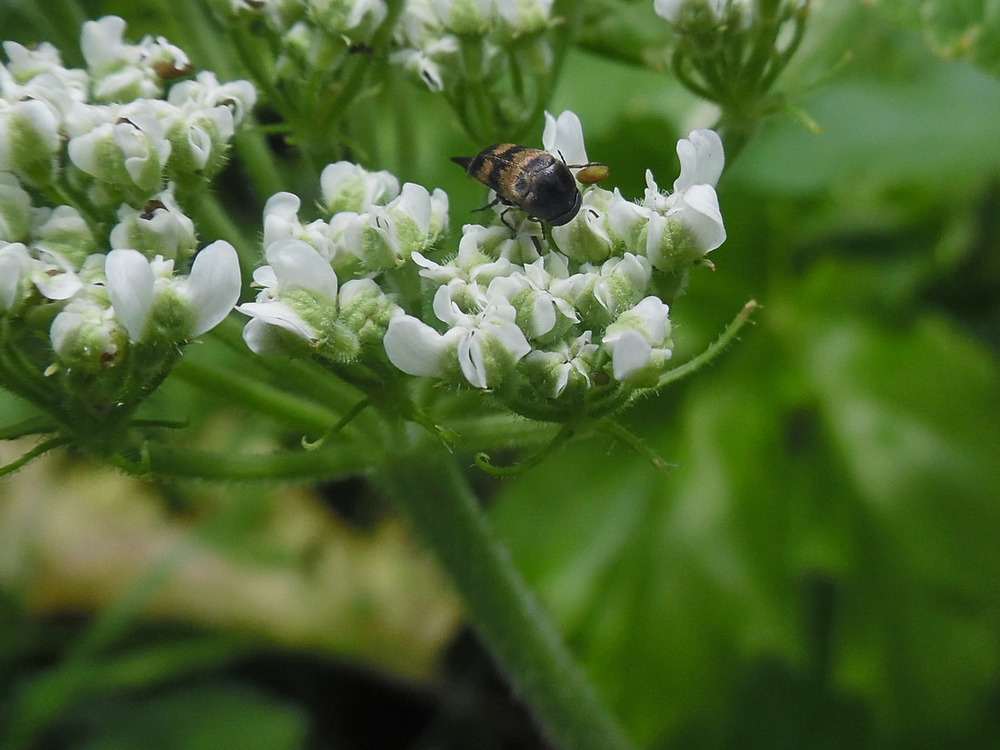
x=834, y=511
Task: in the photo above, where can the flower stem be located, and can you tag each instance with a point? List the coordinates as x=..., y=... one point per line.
x=427, y=487
x=718, y=346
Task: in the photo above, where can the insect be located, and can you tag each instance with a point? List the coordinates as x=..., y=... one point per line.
x=530, y=179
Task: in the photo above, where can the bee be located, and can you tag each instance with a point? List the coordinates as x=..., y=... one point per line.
x=530, y=179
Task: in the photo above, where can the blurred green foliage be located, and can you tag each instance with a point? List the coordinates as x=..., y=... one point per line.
x=820, y=569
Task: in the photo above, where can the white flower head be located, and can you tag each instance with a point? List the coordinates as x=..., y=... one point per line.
x=145, y=291
x=686, y=224
x=525, y=16
x=467, y=17
x=206, y=93
x=355, y=18
x=281, y=222
x=587, y=237
x=345, y=186
x=123, y=72
x=639, y=342
x=129, y=148
x=543, y=312
x=482, y=346
x=298, y=286
x=567, y=367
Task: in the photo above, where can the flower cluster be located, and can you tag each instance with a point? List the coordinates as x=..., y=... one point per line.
x=492, y=58
x=437, y=36
x=731, y=51
x=551, y=325
x=94, y=244
x=576, y=323
x=371, y=227
x=742, y=12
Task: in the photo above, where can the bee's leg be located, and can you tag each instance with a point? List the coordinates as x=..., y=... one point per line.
x=488, y=206
x=503, y=218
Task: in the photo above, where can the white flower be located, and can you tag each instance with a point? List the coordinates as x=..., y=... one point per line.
x=693, y=207
x=537, y=295
x=298, y=283
x=472, y=265
x=281, y=222
x=124, y=149
x=463, y=16
x=161, y=228
x=617, y=285
x=38, y=74
x=639, y=339
x=341, y=16
x=123, y=72
x=137, y=285
x=206, y=93
x=525, y=16
x=570, y=361
x=587, y=237
x=487, y=344
x=348, y=187
x=54, y=276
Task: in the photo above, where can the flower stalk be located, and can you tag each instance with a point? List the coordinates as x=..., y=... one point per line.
x=424, y=483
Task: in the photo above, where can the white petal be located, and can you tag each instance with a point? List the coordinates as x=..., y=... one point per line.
x=213, y=286
x=701, y=214
x=543, y=315
x=414, y=347
x=130, y=287
x=668, y=9
x=261, y=337
x=470, y=359
x=57, y=286
x=280, y=315
x=563, y=137
x=298, y=265
x=631, y=353
x=651, y=314
x=702, y=159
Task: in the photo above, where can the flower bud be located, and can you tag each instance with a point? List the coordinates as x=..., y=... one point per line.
x=87, y=336
x=29, y=139
x=63, y=231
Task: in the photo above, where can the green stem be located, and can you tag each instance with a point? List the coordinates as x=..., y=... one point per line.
x=332, y=461
x=429, y=490
x=713, y=351
x=249, y=391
